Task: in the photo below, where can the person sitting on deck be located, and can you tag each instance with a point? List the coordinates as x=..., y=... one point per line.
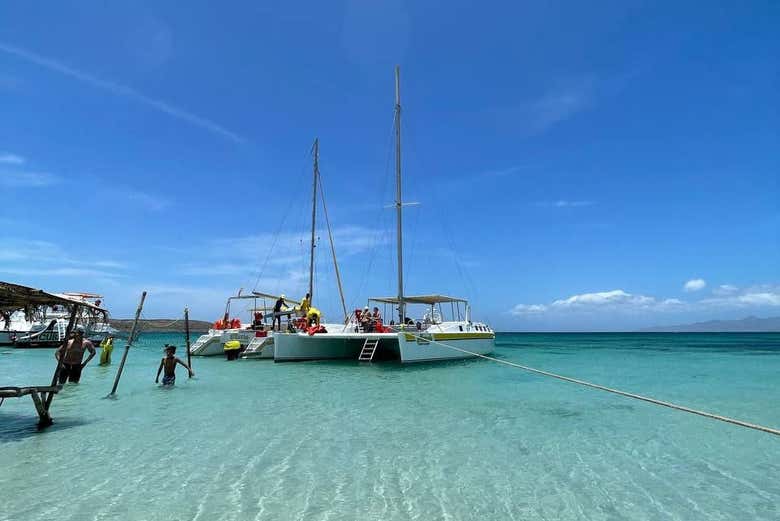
x=169, y=362
x=71, y=354
x=278, y=308
x=106, y=346
x=365, y=320
x=257, y=321
x=313, y=316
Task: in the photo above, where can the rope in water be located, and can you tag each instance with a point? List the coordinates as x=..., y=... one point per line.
x=675, y=406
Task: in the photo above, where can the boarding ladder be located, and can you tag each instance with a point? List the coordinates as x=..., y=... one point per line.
x=62, y=330
x=255, y=348
x=369, y=348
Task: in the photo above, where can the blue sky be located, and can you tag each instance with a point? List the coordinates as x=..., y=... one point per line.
x=605, y=165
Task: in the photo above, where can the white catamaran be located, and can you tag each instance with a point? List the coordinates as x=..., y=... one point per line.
x=256, y=339
x=432, y=337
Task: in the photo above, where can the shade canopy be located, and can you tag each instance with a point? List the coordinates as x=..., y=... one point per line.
x=418, y=299
x=14, y=297
x=257, y=294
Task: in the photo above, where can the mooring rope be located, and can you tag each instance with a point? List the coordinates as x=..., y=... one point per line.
x=648, y=399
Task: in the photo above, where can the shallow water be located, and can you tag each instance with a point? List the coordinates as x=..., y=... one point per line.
x=460, y=440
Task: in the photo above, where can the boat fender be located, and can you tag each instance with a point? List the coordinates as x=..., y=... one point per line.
x=231, y=345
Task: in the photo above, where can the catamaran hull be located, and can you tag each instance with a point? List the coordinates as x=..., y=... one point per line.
x=298, y=347
x=6, y=336
x=406, y=347
x=432, y=347
x=213, y=342
x=208, y=345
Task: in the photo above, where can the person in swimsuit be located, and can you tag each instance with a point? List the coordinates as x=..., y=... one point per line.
x=168, y=363
x=70, y=355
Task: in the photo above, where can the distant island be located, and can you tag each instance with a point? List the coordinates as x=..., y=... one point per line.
x=160, y=325
x=744, y=325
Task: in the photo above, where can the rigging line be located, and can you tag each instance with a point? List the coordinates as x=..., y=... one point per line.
x=381, y=233
x=276, y=235
x=332, y=247
x=648, y=399
x=463, y=273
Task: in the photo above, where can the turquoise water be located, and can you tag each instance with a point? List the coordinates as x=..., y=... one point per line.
x=464, y=440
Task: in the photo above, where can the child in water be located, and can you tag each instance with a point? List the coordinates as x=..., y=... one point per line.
x=169, y=362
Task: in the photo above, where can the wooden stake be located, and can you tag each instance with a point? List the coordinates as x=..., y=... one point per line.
x=187, y=335
x=129, y=343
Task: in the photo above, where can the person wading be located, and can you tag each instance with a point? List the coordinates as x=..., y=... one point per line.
x=72, y=353
x=106, y=346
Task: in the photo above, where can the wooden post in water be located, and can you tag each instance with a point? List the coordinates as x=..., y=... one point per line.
x=71, y=325
x=129, y=343
x=187, y=337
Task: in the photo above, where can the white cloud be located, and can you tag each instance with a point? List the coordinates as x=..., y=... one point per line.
x=122, y=90
x=528, y=309
x=31, y=179
x=559, y=105
x=752, y=297
x=43, y=258
x=129, y=195
x=564, y=203
x=11, y=159
x=614, y=300
x=501, y=172
x=695, y=285
x=725, y=289
x=616, y=297
x=57, y=272
x=757, y=297
x=150, y=201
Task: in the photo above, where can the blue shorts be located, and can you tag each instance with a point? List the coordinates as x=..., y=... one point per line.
x=169, y=380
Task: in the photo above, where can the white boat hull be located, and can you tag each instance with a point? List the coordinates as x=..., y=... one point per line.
x=407, y=347
x=213, y=342
x=297, y=347
x=261, y=348
x=420, y=347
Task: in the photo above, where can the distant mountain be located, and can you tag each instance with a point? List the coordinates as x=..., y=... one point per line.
x=748, y=324
x=159, y=325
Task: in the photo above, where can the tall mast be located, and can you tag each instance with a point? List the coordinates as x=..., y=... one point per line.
x=398, y=200
x=316, y=153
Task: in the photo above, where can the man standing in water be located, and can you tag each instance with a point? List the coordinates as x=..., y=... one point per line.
x=71, y=353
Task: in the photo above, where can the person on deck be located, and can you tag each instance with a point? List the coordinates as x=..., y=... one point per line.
x=106, y=346
x=365, y=320
x=278, y=308
x=168, y=363
x=313, y=316
x=71, y=354
x=305, y=305
x=376, y=316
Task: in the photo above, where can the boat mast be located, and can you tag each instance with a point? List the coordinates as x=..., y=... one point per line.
x=316, y=153
x=398, y=200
